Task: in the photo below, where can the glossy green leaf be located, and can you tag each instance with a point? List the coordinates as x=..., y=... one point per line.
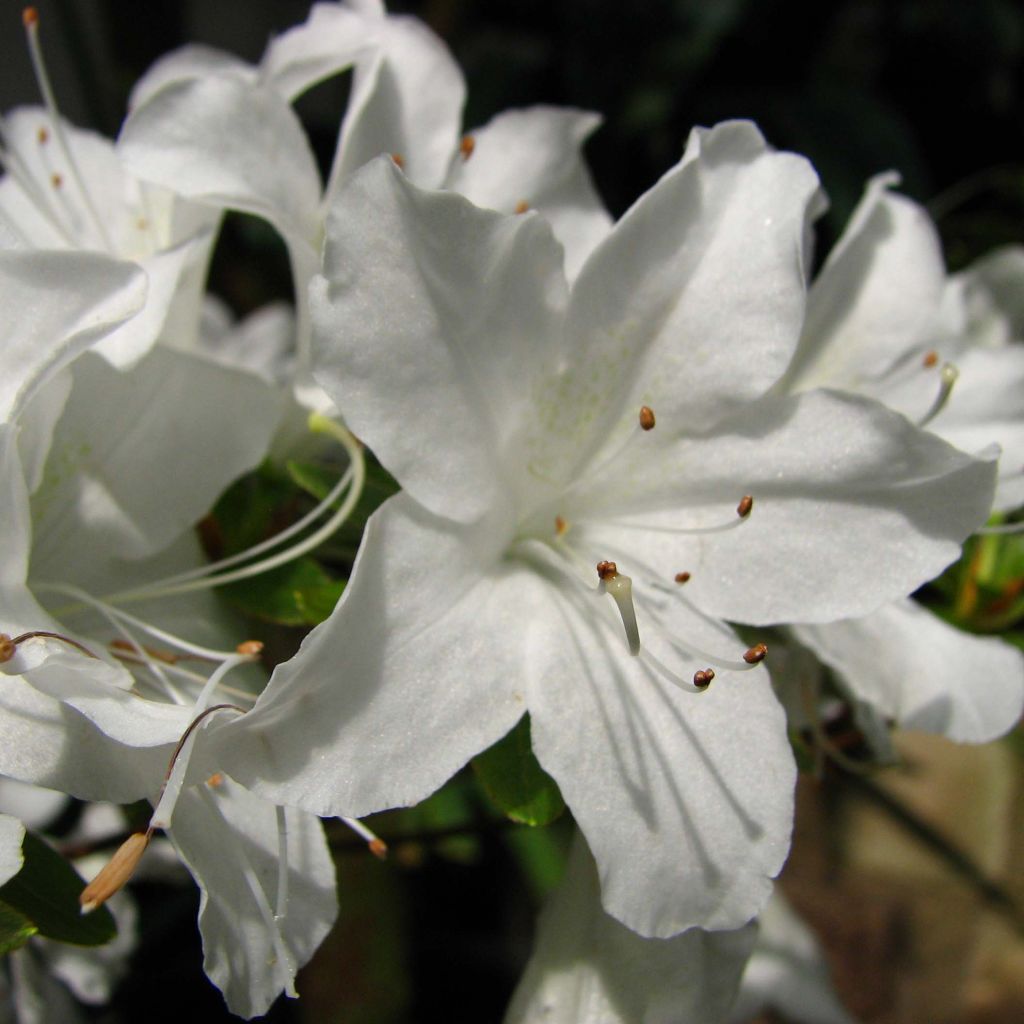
x=512, y=777
x=45, y=892
x=15, y=929
x=299, y=593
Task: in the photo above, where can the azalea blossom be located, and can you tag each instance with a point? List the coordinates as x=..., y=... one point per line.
x=105, y=472
x=588, y=967
x=66, y=188
x=513, y=411
x=223, y=133
x=884, y=320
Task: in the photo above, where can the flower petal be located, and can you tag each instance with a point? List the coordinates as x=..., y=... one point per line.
x=586, y=967
x=473, y=302
x=418, y=669
x=535, y=156
x=12, y=832
x=224, y=834
x=927, y=675
x=194, y=60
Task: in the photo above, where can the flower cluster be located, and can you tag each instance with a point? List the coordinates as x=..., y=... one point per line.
x=632, y=457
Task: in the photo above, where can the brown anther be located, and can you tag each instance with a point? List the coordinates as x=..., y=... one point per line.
x=250, y=648
x=116, y=872
x=522, y=206
x=43, y=136
x=398, y=160
x=646, y=417
x=378, y=848
x=931, y=359
x=142, y=223
x=29, y=17
x=56, y=180
x=7, y=648
x=702, y=677
x=756, y=654
x=682, y=577
x=606, y=570
x=466, y=146
x=744, y=507
x=561, y=526
x=215, y=780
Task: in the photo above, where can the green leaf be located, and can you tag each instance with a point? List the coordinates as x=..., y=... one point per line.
x=15, y=929
x=45, y=892
x=512, y=777
x=299, y=593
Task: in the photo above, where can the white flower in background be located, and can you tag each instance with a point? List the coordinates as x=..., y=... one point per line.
x=586, y=967
x=223, y=133
x=65, y=188
x=507, y=407
x=787, y=973
x=884, y=320
x=94, y=697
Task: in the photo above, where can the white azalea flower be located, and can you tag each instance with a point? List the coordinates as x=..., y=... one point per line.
x=407, y=97
x=507, y=408
x=65, y=188
x=884, y=320
x=127, y=462
x=586, y=967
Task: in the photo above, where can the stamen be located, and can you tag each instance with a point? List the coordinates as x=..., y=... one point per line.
x=646, y=417
x=398, y=160
x=376, y=845
x=756, y=654
x=930, y=359
x=466, y=146
x=561, y=527
x=682, y=577
x=620, y=589
x=947, y=378
x=1001, y=529
x=746, y=505
x=743, y=510
x=30, y=18
x=522, y=206
x=115, y=873
x=281, y=910
x=703, y=677
x=56, y=180
x=8, y=645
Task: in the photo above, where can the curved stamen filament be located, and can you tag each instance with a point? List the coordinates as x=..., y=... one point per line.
x=200, y=579
x=30, y=19
x=9, y=644
x=1002, y=528
x=947, y=378
x=16, y=166
x=743, y=510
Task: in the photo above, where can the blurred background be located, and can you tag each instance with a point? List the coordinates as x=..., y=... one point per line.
x=912, y=877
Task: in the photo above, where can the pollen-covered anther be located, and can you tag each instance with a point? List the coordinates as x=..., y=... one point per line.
x=756, y=654
x=29, y=17
x=561, y=526
x=215, y=780
x=931, y=358
x=606, y=570
x=7, y=648
x=682, y=577
x=115, y=873
x=42, y=136
x=522, y=206
x=702, y=677
x=646, y=417
x=466, y=146
x=250, y=648
x=398, y=160
x=745, y=507
x=378, y=848
x=56, y=180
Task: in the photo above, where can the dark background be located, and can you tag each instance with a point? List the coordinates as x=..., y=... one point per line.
x=928, y=88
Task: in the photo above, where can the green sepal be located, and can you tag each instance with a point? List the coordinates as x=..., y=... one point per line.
x=512, y=777
x=45, y=892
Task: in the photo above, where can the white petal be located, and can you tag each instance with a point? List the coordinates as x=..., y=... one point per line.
x=853, y=507
x=468, y=326
x=924, y=673
x=587, y=967
x=694, y=302
x=194, y=60
x=535, y=156
x=876, y=296
x=139, y=457
x=36, y=806
x=57, y=305
x=221, y=833
x=229, y=144
x=419, y=668
x=406, y=98
x=685, y=799
x=12, y=832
